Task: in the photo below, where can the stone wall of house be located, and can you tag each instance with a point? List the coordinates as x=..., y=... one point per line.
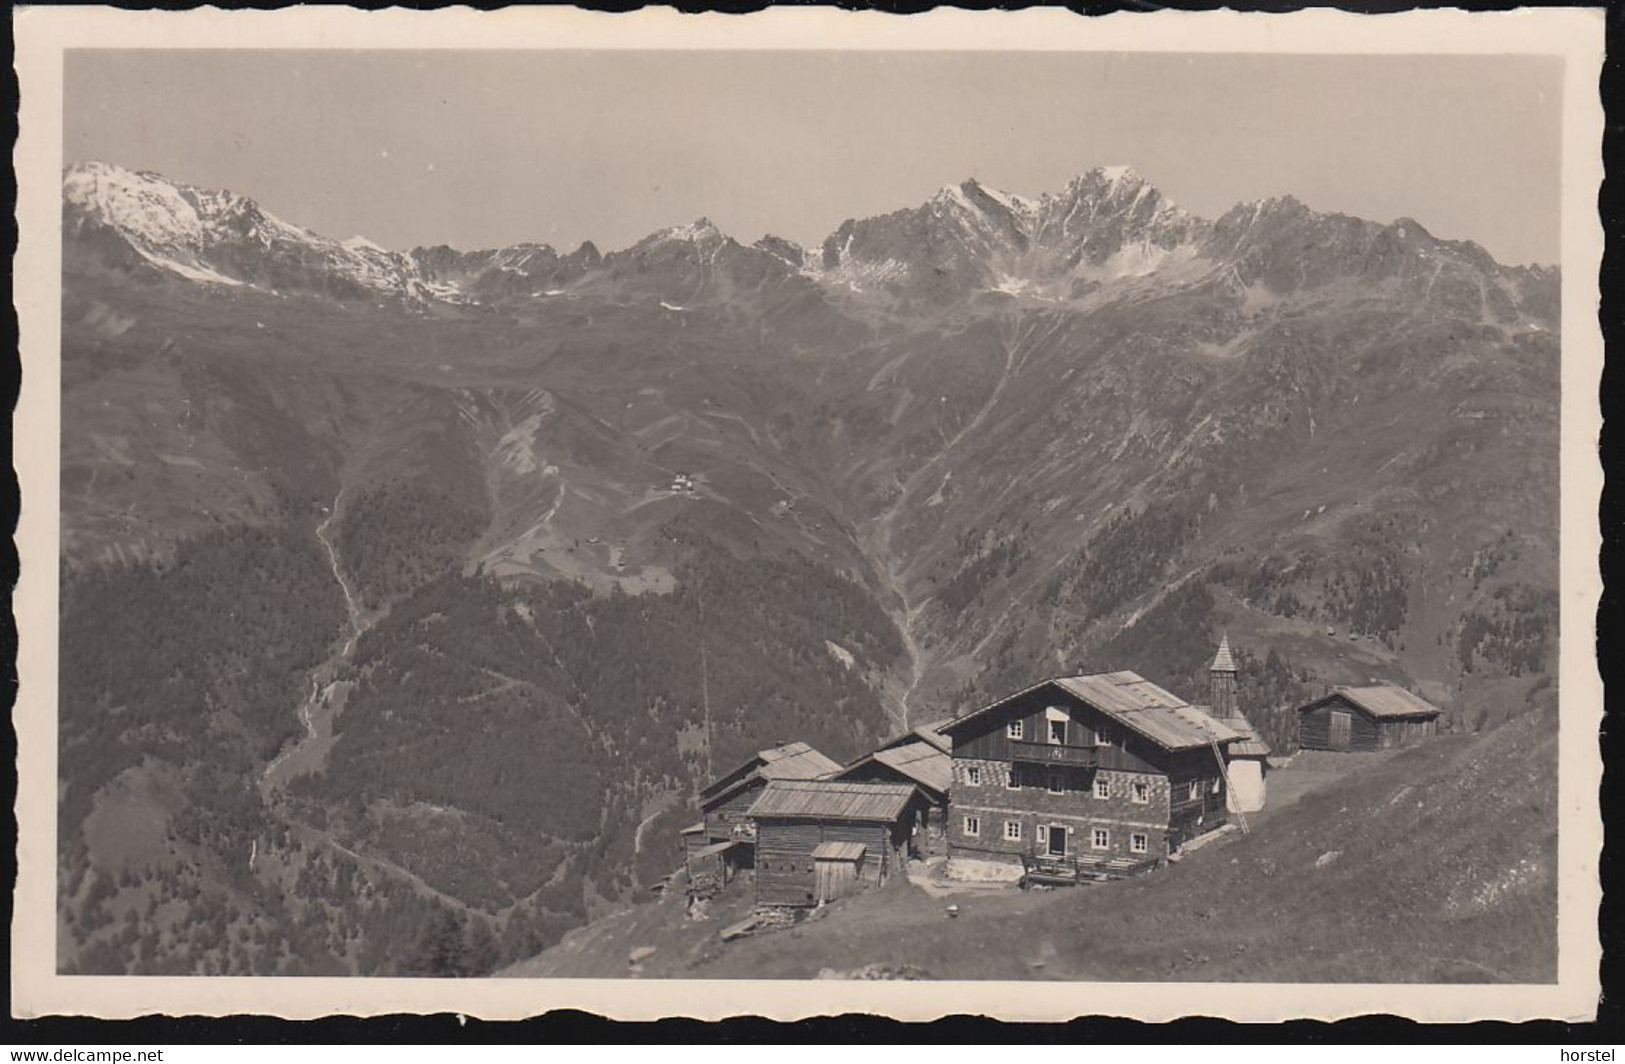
x=1008, y=819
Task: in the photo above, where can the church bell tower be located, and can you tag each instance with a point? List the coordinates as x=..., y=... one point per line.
x=1222, y=682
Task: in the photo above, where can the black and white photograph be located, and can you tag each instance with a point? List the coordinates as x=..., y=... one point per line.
x=824, y=516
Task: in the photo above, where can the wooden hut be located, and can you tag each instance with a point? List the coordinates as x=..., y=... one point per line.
x=916, y=762
x=820, y=840
x=726, y=801
x=1366, y=718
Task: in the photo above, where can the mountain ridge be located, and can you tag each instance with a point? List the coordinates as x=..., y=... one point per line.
x=1106, y=224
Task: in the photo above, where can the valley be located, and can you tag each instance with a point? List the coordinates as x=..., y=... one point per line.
x=414, y=594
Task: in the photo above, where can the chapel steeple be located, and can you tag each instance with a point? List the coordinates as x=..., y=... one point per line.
x=1222, y=682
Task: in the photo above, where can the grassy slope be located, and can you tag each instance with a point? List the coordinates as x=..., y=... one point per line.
x=1445, y=873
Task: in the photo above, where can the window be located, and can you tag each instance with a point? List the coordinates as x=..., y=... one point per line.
x=1102, y=789
x=973, y=826
x=1041, y=833
x=1103, y=736
x=1138, y=843
x=1057, y=732
x=1140, y=791
x=1194, y=791
x=1057, y=782
x=1014, y=782
x=973, y=775
x=1012, y=830
x=1215, y=785
x=1102, y=839
x=1016, y=729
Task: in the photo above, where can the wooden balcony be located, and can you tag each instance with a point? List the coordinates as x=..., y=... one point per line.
x=1054, y=754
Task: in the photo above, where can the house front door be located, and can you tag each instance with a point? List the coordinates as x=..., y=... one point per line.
x=1057, y=840
x=1342, y=727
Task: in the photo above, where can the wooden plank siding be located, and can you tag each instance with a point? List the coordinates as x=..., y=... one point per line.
x=727, y=819
x=1126, y=751
x=1188, y=816
x=1315, y=727
x=786, y=871
x=931, y=814
x=1367, y=731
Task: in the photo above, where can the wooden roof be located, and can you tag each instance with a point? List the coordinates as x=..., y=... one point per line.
x=1251, y=743
x=932, y=733
x=1223, y=661
x=790, y=761
x=833, y=800
x=920, y=761
x=1383, y=701
x=839, y=851
x=1133, y=701
x=927, y=733
x=718, y=847
x=795, y=761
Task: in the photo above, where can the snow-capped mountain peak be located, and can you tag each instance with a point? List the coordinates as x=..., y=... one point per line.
x=699, y=231
x=361, y=243
x=977, y=203
x=139, y=204
x=1107, y=226
x=220, y=237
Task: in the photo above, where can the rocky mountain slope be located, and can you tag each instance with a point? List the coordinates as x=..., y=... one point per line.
x=953, y=448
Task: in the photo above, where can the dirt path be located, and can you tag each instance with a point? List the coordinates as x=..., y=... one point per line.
x=661, y=804
x=383, y=866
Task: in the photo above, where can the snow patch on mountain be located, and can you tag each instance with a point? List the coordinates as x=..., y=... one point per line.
x=1140, y=258
x=1021, y=208
x=200, y=274
x=859, y=275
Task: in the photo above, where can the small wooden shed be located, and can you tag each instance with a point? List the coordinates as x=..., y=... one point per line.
x=835, y=869
x=1366, y=718
x=796, y=821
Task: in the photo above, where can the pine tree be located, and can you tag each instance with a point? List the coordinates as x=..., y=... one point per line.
x=482, y=953
x=440, y=949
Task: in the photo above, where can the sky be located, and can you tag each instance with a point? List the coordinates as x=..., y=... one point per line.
x=483, y=149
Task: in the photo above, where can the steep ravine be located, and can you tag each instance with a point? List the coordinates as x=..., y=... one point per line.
x=906, y=610
x=327, y=692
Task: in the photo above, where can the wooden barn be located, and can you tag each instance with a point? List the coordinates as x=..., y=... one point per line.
x=821, y=840
x=725, y=803
x=926, y=764
x=1366, y=718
